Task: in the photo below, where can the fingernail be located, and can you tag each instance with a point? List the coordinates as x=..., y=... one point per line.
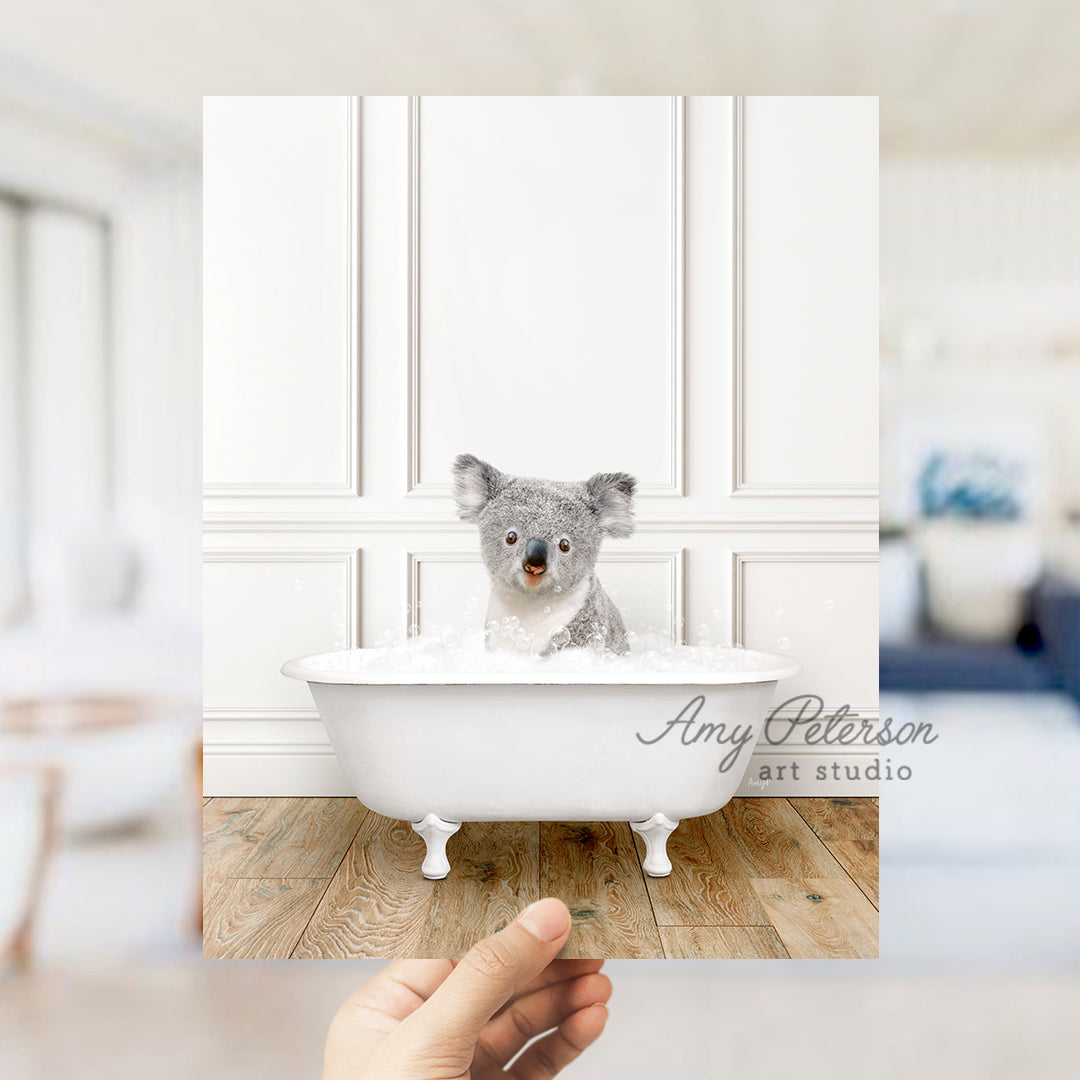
x=547, y=919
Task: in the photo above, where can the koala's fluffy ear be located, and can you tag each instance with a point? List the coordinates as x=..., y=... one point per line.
x=612, y=498
x=476, y=483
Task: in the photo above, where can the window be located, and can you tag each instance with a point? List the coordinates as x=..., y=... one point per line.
x=55, y=387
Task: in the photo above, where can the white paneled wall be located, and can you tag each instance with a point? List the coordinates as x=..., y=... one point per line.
x=685, y=289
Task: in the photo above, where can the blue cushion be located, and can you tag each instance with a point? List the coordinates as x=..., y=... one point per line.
x=955, y=665
x=1057, y=611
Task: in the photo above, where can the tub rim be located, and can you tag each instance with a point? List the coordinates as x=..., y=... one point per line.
x=782, y=667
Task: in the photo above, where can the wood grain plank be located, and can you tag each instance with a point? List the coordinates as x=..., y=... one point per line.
x=860, y=859
x=228, y=839
x=722, y=943
x=708, y=884
x=233, y=803
x=839, y=818
x=775, y=842
x=593, y=868
x=821, y=918
x=209, y=890
x=248, y=919
x=380, y=905
x=301, y=838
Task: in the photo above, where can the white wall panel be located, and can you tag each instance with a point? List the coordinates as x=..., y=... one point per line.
x=553, y=284
x=547, y=248
x=261, y=608
x=809, y=342
x=820, y=606
x=278, y=310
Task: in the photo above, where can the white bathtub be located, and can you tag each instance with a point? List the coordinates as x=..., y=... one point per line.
x=441, y=748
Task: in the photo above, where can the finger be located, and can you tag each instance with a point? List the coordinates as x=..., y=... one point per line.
x=396, y=992
x=548, y=1056
x=557, y=971
x=489, y=974
x=532, y=1015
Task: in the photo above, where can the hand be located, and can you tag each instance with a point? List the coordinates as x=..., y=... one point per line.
x=447, y=1019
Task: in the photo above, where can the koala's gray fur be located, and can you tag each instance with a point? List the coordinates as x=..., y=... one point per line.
x=548, y=511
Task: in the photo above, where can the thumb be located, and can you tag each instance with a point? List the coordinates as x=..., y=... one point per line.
x=490, y=974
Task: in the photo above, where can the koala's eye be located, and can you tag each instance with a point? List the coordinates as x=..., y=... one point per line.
x=511, y=537
x=564, y=545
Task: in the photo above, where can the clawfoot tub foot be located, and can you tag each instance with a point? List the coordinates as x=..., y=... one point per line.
x=655, y=832
x=436, y=832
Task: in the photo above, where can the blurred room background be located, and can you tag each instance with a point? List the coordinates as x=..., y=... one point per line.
x=100, y=492
x=980, y=547
x=99, y=539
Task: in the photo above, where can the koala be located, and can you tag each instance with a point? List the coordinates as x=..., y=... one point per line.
x=540, y=540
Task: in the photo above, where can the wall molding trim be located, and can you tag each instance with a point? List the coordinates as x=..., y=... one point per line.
x=349, y=488
x=674, y=485
x=382, y=521
x=739, y=561
x=741, y=488
x=310, y=769
x=349, y=558
x=740, y=558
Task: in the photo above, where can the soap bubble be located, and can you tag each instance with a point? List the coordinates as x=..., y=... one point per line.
x=547, y=609
x=779, y=613
x=504, y=645
x=828, y=605
x=718, y=615
x=783, y=644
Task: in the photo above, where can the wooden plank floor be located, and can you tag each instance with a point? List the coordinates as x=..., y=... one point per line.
x=326, y=878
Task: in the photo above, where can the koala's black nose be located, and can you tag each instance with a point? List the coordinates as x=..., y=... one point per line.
x=535, y=561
